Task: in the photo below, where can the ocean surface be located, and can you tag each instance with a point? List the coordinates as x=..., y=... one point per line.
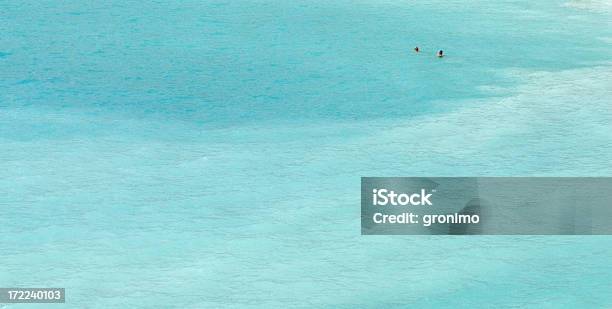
x=204, y=154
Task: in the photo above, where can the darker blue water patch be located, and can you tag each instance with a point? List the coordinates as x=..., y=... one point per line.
x=287, y=62
x=4, y=54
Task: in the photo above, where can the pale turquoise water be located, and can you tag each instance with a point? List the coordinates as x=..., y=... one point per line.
x=203, y=154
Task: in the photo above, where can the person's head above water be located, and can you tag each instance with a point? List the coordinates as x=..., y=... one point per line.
x=416, y=49
x=440, y=53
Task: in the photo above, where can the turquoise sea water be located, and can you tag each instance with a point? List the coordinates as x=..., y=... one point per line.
x=197, y=154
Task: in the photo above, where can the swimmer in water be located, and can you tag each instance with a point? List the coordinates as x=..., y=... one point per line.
x=416, y=49
x=440, y=54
